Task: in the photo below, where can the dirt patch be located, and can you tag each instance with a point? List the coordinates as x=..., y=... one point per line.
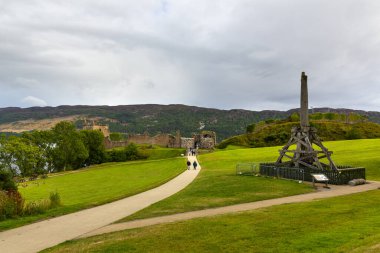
x=42, y=124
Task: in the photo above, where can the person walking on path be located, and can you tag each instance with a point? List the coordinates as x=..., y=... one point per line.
x=188, y=164
x=195, y=164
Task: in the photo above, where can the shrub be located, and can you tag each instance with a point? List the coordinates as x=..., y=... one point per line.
x=36, y=207
x=295, y=117
x=128, y=153
x=5, y=206
x=11, y=204
x=18, y=201
x=131, y=152
x=353, y=134
x=55, y=199
x=116, y=155
x=250, y=128
x=6, y=182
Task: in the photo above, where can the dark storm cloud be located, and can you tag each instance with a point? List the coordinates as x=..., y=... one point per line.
x=224, y=54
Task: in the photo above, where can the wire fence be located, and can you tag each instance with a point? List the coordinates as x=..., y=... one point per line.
x=248, y=169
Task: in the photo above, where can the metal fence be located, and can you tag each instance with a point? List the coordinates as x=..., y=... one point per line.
x=247, y=168
x=342, y=176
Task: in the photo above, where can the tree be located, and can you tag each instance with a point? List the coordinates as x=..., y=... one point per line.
x=94, y=142
x=69, y=151
x=251, y=128
x=116, y=136
x=295, y=117
x=131, y=152
x=19, y=156
x=44, y=140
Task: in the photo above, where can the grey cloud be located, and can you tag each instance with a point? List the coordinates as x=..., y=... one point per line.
x=224, y=54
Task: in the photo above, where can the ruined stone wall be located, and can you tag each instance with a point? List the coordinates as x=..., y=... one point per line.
x=187, y=143
x=203, y=141
x=104, y=129
x=140, y=139
x=207, y=143
x=177, y=140
x=163, y=140
x=114, y=144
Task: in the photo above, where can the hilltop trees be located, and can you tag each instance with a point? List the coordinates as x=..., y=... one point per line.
x=40, y=152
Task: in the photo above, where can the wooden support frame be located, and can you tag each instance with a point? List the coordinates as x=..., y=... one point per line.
x=304, y=154
x=304, y=137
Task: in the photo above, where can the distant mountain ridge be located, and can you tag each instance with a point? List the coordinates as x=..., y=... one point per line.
x=154, y=118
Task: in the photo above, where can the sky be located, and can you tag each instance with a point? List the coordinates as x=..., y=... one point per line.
x=226, y=54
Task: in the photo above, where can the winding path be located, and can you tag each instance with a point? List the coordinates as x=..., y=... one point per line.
x=321, y=194
x=94, y=221
x=47, y=233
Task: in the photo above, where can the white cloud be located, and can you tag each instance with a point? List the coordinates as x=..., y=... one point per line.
x=33, y=101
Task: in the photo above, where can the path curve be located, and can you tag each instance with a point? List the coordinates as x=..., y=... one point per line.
x=334, y=192
x=44, y=234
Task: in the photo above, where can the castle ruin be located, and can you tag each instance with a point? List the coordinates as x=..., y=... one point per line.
x=95, y=126
x=203, y=140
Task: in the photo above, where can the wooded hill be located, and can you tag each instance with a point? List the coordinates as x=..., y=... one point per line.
x=161, y=118
x=330, y=126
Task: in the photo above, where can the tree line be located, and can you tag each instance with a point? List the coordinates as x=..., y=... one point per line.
x=59, y=149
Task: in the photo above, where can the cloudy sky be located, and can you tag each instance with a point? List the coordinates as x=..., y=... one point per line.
x=216, y=53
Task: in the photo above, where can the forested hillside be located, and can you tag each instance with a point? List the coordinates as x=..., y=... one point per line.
x=330, y=127
x=160, y=118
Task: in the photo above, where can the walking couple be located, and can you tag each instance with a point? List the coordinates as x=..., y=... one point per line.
x=191, y=152
x=195, y=164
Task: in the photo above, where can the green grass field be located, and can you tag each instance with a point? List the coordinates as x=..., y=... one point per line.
x=154, y=152
x=97, y=185
x=163, y=153
x=341, y=224
x=359, y=153
x=217, y=184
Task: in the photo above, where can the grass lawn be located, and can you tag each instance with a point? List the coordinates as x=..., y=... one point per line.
x=163, y=153
x=154, y=152
x=97, y=185
x=217, y=184
x=359, y=153
x=341, y=224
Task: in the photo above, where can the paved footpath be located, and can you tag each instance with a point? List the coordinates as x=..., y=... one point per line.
x=45, y=234
x=323, y=193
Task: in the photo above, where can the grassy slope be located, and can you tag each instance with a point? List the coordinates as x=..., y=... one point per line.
x=217, y=184
x=329, y=225
x=98, y=185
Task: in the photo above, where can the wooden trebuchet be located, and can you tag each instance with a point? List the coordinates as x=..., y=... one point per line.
x=304, y=137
